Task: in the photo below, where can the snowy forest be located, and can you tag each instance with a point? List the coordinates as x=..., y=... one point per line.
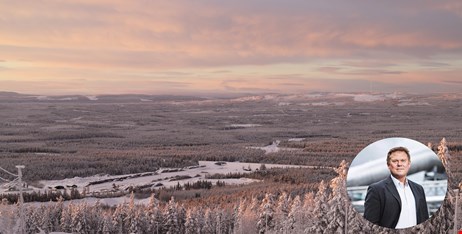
x=327, y=210
x=60, y=138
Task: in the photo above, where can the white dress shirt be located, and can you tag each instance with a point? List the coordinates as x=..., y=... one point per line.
x=408, y=215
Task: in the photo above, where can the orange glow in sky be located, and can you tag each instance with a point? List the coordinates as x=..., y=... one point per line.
x=188, y=47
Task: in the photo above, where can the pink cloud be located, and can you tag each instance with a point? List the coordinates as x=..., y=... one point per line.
x=347, y=40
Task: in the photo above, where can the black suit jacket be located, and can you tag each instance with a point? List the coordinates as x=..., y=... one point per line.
x=383, y=204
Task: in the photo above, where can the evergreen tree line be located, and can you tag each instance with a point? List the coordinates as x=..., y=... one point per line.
x=38, y=196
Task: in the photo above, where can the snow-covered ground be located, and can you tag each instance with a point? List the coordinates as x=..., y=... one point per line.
x=296, y=139
x=92, y=98
x=413, y=103
x=363, y=97
x=244, y=125
x=164, y=177
x=274, y=147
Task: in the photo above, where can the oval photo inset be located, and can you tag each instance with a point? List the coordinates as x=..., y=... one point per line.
x=396, y=183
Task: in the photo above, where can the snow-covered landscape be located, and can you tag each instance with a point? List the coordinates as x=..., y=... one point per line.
x=164, y=177
x=242, y=151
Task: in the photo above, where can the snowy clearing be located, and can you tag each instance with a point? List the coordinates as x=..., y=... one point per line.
x=92, y=98
x=164, y=177
x=296, y=139
x=244, y=125
x=362, y=97
x=410, y=103
x=274, y=147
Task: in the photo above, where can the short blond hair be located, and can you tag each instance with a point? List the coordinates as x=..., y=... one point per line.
x=398, y=149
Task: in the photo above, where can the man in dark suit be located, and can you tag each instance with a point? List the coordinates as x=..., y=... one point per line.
x=396, y=202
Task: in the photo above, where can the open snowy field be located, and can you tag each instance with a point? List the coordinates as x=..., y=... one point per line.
x=164, y=177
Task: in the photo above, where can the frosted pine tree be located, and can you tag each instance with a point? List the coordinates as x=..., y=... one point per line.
x=282, y=213
x=338, y=201
x=143, y=220
x=295, y=216
x=443, y=219
x=46, y=218
x=227, y=221
x=192, y=225
x=266, y=218
x=200, y=216
x=355, y=220
x=66, y=220
x=181, y=218
x=154, y=216
x=118, y=218
x=445, y=157
x=31, y=218
x=221, y=222
x=209, y=221
x=171, y=218
x=321, y=207
x=79, y=218
x=308, y=210
x=251, y=216
x=131, y=219
x=240, y=217
x=95, y=217
x=9, y=220
x=57, y=213
x=107, y=225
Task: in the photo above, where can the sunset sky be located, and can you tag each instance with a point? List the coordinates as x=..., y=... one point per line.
x=202, y=46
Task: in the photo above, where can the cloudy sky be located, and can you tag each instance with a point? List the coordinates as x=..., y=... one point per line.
x=259, y=46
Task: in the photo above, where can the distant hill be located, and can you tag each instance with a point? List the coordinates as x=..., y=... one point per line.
x=308, y=99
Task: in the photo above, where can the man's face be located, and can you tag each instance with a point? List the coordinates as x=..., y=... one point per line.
x=399, y=164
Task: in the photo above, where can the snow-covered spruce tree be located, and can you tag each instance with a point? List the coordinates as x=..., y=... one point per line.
x=254, y=204
x=118, y=218
x=228, y=220
x=181, y=218
x=355, y=220
x=56, y=213
x=282, y=213
x=338, y=200
x=200, y=219
x=266, y=214
x=143, y=219
x=107, y=225
x=295, y=216
x=192, y=225
x=92, y=217
x=221, y=222
x=251, y=217
x=307, y=211
x=9, y=220
x=154, y=216
x=66, y=220
x=209, y=221
x=80, y=216
x=131, y=220
x=32, y=220
x=45, y=219
x=443, y=220
x=171, y=218
x=245, y=218
x=239, y=216
x=321, y=207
